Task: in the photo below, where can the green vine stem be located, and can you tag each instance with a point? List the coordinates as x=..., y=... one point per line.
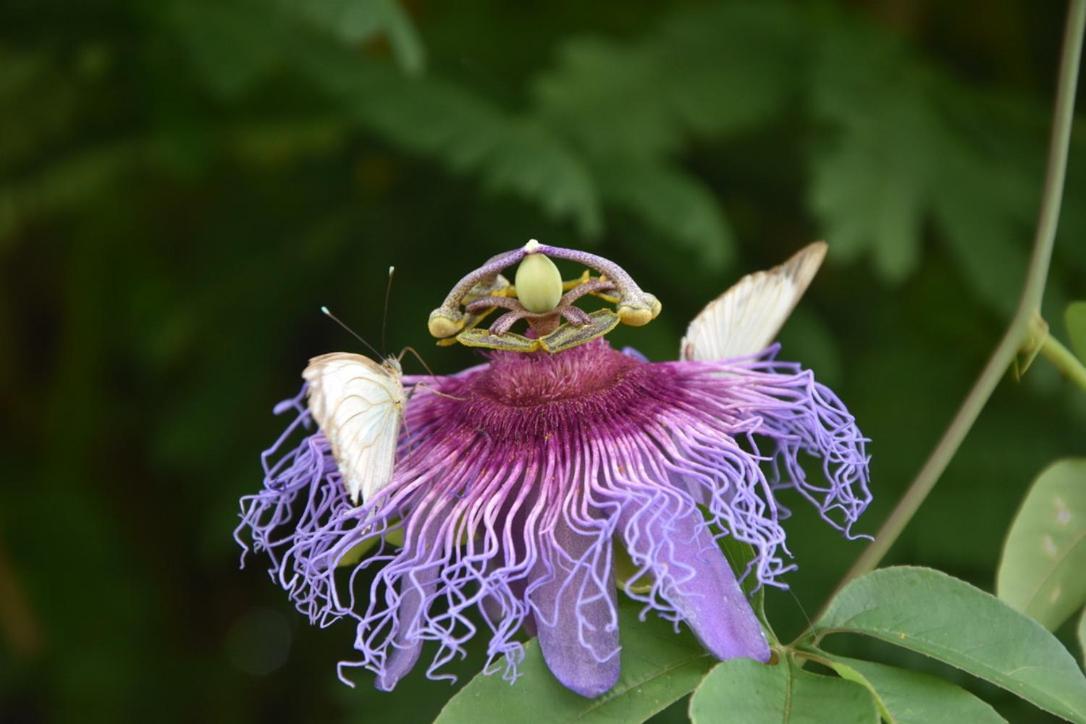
x=1029, y=304
x=1064, y=360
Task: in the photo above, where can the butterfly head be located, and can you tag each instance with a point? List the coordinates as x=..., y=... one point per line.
x=391, y=364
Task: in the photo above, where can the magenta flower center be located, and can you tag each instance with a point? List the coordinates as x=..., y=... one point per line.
x=529, y=398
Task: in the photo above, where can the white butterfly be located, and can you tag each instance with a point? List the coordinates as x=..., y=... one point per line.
x=359, y=405
x=745, y=319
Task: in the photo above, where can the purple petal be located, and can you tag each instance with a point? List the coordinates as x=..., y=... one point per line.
x=694, y=577
x=416, y=594
x=405, y=648
x=576, y=613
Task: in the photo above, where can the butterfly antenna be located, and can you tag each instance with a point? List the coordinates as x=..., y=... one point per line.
x=430, y=372
x=384, y=315
x=328, y=313
x=417, y=356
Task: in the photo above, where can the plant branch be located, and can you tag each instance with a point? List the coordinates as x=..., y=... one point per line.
x=1064, y=360
x=1029, y=304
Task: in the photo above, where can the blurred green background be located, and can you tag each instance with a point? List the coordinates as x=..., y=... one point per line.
x=183, y=183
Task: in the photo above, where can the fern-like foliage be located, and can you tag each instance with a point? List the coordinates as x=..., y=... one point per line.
x=898, y=153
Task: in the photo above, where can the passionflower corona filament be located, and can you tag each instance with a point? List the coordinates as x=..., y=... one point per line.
x=515, y=482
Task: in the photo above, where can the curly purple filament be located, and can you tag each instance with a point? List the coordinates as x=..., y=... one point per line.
x=513, y=479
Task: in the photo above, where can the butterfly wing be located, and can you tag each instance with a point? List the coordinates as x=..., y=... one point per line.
x=358, y=405
x=745, y=319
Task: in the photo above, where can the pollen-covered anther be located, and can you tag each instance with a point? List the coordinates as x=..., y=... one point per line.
x=445, y=322
x=640, y=312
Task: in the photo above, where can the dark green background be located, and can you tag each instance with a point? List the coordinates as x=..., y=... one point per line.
x=183, y=183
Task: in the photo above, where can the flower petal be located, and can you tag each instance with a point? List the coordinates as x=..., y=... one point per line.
x=695, y=578
x=405, y=648
x=576, y=612
x=416, y=594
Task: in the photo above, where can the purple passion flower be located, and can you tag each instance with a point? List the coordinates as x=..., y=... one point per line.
x=493, y=501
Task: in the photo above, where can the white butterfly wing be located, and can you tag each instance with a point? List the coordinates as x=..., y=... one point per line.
x=358, y=405
x=745, y=319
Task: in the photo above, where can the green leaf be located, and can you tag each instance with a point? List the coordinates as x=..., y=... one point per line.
x=731, y=66
x=910, y=697
x=463, y=131
x=987, y=247
x=232, y=44
x=658, y=668
x=710, y=70
x=1082, y=636
x=675, y=204
x=1044, y=555
x=947, y=619
x=393, y=537
x=902, y=150
x=354, y=21
x=529, y=160
x=870, y=180
x=236, y=43
x=606, y=96
x=987, y=189
x=626, y=571
x=406, y=45
x=861, y=204
x=746, y=691
x=1076, y=328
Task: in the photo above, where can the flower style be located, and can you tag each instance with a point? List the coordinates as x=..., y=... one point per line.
x=515, y=481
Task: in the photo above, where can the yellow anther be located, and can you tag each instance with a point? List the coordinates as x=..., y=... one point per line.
x=573, y=283
x=654, y=304
x=442, y=324
x=538, y=284
x=640, y=313
x=634, y=316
